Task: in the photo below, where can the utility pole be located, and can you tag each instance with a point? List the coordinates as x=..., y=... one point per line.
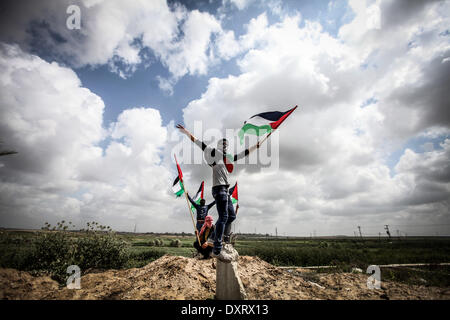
x=379, y=235
x=360, y=234
x=135, y=228
x=276, y=232
x=354, y=233
x=386, y=227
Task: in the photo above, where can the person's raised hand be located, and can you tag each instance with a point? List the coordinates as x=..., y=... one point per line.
x=182, y=129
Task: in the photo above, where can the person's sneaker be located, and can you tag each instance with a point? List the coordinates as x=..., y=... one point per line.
x=226, y=239
x=222, y=256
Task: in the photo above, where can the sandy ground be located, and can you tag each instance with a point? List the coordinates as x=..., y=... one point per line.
x=172, y=277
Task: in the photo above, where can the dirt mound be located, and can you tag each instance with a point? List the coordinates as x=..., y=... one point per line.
x=172, y=277
x=21, y=285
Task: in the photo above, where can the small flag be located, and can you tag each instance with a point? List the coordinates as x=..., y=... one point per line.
x=180, y=174
x=263, y=123
x=234, y=194
x=178, y=188
x=198, y=196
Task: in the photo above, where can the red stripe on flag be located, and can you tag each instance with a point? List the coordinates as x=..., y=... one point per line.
x=180, y=174
x=277, y=123
x=203, y=188
x=235, y=192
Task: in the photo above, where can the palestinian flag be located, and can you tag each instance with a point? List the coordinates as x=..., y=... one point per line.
x=198, y=196
x=234, y=193
x=180, y=174
x=178, y=187
x=263, y=123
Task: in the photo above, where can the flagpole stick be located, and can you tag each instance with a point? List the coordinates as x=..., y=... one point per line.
x=265, y=138
x=190, y=213
x=187, y=201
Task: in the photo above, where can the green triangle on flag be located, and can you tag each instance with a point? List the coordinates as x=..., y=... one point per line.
x=178, y=187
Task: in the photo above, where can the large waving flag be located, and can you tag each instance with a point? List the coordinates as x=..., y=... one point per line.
x=178, y=187
x=263, y=123
x=198, y=196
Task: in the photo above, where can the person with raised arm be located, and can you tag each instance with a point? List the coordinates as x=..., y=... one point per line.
x=222, y=166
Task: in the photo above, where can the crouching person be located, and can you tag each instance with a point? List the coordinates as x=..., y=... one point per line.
x=206, y=237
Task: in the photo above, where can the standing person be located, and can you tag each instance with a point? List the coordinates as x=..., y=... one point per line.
x=221, y=166
x=202, y=210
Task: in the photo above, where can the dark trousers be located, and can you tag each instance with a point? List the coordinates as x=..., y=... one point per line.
x=200, y=225
x=226, y=215
x=204, y=251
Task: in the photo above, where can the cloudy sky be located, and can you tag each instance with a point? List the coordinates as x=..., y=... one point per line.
x=92, y=111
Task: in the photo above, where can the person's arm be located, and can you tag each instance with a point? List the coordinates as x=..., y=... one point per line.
x=212, y=155
x=196, y=206
x=190, y=199
x=199, y=143
x=211, y=204
x=245, y=153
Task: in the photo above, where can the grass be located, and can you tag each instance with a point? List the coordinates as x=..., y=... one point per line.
x=354, y=253
x=15, y=247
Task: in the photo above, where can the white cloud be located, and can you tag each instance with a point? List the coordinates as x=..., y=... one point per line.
x=333, y=152
x=60, y=171
x=192, y=54
x=166, y=85
x=114, y=34
x=240, y=4
x=227, y=45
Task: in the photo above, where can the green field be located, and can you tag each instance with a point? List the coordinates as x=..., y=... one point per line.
x=344, y=253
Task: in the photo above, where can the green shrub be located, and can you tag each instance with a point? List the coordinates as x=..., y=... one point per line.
x=54, y=249
x=176, y=243
x=99, y=251
x=51, y=252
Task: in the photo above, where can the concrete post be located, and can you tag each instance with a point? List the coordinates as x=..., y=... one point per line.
x=228, y=283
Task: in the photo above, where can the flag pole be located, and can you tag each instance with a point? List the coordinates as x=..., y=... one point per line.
x=187, y=201
x=193, y=223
